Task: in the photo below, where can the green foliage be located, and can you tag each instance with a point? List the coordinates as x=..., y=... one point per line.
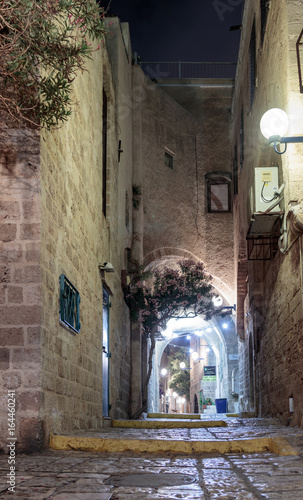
x=180, y=383
x=175, y=359
x=180, y=379
x=43, y=45
x=207, y=401
x=155, y=297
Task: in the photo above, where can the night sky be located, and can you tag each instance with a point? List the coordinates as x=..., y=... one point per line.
x=175, y=30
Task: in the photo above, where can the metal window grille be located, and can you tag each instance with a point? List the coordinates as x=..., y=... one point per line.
x=69, y=304
x=192, y=70
x=262, y=248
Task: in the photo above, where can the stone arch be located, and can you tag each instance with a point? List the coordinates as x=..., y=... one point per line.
x=171, y=255
x=165, y=252
x=221, y=346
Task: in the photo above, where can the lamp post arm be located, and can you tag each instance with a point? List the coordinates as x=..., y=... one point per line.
x=285, y=141
x=292, y=139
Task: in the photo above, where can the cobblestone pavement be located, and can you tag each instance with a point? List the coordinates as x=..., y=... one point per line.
x=78, y=475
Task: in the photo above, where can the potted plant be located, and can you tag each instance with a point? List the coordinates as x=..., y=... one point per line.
x=207, y=402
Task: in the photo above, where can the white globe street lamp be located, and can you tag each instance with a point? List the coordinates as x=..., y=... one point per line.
x=273, y=125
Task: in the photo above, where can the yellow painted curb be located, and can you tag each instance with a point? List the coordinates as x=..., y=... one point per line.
x=188, y=416
x=232, y=414
x=164, y=424
x=279, y=446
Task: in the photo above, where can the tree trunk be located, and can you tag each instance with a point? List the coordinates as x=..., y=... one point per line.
x=148, y=375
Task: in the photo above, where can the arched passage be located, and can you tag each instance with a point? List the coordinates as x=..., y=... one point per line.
x=168, y=256
x=224, y=346
x=216, y=347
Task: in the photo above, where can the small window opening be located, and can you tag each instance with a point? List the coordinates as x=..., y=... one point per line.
x=218, y=192
x=169, y=160
x=69, y=304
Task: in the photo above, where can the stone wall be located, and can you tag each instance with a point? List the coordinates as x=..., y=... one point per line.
x=20, y=310
x=271, y=303
x=189, y=119
x=53, y=223
x=76, y=238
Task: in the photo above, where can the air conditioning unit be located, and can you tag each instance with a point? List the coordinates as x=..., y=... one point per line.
x=266, y=185
x=265, y=214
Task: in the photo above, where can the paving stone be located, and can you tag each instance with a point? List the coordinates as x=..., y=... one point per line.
x=285, y=495
x=82, y=496
x=79, y=475
x=215, y=463
x=285, y=483
x=234, y=495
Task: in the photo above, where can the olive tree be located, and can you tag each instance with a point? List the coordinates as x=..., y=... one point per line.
x=43, y=46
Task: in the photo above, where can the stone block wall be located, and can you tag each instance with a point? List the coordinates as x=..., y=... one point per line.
x=20, y=290
x=76, y=238
x=190, y=119
x=271, y=322
x=52, y=223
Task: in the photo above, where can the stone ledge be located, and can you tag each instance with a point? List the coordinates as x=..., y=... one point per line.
x=277, y=445
x=165, y=424
x=175, y=415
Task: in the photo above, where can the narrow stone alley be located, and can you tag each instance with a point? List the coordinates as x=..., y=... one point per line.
x=274, y=473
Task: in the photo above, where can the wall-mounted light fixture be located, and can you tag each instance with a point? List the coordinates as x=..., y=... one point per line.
x=273, y=125
x=107, y=267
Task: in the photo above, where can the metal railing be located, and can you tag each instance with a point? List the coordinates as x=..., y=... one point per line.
x=191, y=70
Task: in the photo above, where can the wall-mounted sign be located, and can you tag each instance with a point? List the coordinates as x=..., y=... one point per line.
x=209, y=374
x=209, y=370
x=233, y=357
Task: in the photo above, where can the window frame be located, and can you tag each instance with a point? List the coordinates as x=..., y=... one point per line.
x=215, y=178
x=171, y=159
x=69, y=304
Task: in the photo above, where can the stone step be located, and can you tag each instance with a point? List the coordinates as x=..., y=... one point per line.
x=167, y=424
x=188, y=416
x=278, y=445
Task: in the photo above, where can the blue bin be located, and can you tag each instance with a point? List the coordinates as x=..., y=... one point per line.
x=221, y=405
